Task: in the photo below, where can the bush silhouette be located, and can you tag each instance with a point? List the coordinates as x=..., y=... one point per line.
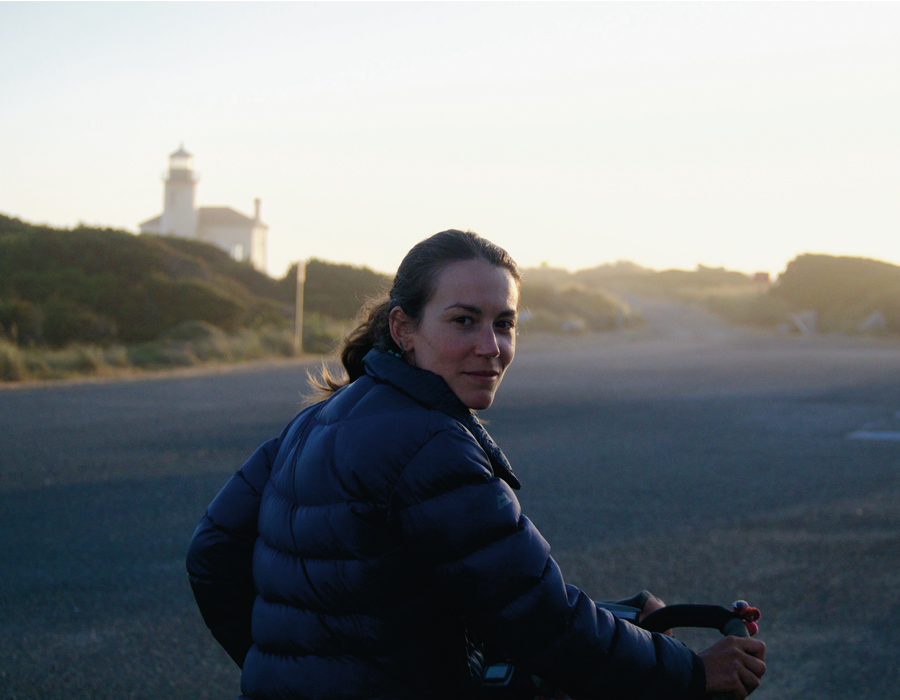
x=60, y=286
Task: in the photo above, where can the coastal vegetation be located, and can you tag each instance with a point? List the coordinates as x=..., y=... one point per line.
x=94, y=301
x=103, y=301
x=815, y=293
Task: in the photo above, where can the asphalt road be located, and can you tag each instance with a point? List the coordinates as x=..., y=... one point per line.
x=699, y=461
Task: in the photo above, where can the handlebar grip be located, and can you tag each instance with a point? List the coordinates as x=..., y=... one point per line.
x=735, y=628
x=712, y=616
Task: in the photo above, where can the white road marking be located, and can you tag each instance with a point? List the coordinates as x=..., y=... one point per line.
x=874, y=435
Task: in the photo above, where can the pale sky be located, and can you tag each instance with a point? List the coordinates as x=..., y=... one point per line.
x=725, y=134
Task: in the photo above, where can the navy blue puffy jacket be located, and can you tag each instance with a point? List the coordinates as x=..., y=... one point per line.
x=348, y=557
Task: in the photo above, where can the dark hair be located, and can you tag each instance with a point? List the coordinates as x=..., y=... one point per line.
x=413, y=287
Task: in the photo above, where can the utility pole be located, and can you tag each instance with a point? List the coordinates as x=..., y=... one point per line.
x=298, y=315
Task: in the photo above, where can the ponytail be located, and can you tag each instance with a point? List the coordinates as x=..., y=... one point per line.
x=372, y=332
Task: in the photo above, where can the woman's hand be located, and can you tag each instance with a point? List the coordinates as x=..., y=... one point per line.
x=734, y=666
x=652, y=605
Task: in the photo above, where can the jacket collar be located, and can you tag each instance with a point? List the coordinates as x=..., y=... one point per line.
x=430, y=390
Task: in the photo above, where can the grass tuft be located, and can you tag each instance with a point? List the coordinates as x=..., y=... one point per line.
x=12, y=365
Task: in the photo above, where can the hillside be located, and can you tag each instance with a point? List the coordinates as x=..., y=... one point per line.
x=595, y=298
x=843, y=292
x=815, y=293
x=628, y=278
x=820, y=293
x=85, y=299
x=104, y=286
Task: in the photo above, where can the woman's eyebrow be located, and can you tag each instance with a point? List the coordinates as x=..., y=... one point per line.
x=465, y=307
x=477, y=311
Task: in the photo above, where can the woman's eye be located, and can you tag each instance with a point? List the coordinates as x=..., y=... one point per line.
x=506, y=324
x=463, y=320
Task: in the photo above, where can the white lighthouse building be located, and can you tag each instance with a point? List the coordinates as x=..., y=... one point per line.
x=242, y=237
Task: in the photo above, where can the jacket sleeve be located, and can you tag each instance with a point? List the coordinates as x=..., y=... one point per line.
x=220, y=554
x=466, y=528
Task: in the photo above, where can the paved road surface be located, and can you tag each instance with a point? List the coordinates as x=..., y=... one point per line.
x=698, y=461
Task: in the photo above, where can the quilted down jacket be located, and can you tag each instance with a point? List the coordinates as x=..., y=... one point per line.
x=350, y=557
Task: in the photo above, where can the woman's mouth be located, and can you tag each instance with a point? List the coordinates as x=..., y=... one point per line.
x=483, y=376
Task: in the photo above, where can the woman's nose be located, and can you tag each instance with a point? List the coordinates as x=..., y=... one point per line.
x=487, y=343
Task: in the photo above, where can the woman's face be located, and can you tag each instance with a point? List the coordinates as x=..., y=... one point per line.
x=467, y=332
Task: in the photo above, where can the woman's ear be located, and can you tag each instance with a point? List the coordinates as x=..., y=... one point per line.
x=401, y=327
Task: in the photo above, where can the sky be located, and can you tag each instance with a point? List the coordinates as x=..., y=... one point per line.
x=669, y=134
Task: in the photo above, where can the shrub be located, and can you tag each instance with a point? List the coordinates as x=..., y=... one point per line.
x=176, y=355
x=552, y=309
x=215, y=349
x=204, y=340
x=12, y=365
x=75, y=359
x=843, y=291
x=66, y=322
x=266, y=313
x=162, y=354
x=223, y=264
x=21, y=321
x=116, y=356
x=159, y=304
x=36, y=366
x=193, y=331
x=277, y=341
x=138, y=287
x=335, y=291
x=322, y=334
x=763, y=310
x=624, y=277
x=246, y=345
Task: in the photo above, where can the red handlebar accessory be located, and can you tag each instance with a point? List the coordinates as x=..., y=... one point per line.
x=748, y=615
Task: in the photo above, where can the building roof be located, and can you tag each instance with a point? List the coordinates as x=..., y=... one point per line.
x=224, y=216
x=213, y=216
x=155, y=220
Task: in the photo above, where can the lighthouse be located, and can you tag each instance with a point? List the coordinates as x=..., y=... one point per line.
x=242, y=237
x=179, y=217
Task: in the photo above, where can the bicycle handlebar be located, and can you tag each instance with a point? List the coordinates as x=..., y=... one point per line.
x=731, y=623
x=738, y=622
x=715, y=617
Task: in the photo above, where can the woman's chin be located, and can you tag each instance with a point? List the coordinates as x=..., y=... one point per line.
x=478, y=401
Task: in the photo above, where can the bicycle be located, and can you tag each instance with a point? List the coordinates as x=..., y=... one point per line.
x=503, y=680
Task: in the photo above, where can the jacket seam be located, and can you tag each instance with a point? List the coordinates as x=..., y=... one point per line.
x=228, y=530
x=400, y=476
x=305, y=557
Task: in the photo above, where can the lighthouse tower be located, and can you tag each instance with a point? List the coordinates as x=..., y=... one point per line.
x=179, y=217
x=240, y=236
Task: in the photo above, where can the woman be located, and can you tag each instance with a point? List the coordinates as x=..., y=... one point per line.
x=359, y=553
